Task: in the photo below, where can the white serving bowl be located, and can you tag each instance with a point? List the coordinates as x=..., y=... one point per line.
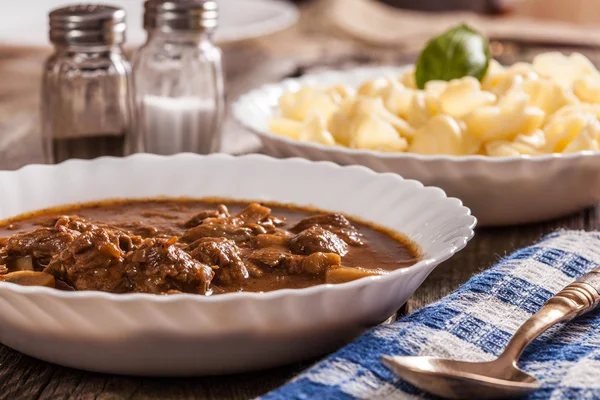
x=499, y=191
x=187, y=334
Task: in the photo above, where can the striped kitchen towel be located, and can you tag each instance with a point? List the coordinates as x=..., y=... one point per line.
x=475, y=323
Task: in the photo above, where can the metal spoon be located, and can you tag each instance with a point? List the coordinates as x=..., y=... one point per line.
x=499, y=378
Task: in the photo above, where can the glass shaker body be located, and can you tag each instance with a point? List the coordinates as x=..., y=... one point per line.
x=88, y=107
x=180, y=99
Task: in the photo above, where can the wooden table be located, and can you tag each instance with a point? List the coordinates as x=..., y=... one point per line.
x=301, y=49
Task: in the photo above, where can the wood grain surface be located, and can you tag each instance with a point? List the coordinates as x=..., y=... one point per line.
x=307, y=47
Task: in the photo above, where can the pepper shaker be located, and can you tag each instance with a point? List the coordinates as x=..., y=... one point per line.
x=88, y=106
x=179, y=78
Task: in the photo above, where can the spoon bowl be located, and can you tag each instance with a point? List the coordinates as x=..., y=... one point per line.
x=462, y=379
x=499, y=378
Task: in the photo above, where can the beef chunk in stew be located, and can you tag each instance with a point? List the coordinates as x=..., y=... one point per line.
x=93, y=261
x=41, y=244
x=222, y=230
x=159, y=266
x=313, y=264
x=220, y=212
x=251, y=221
x=259, y=219
x=128, y=233
x=316, y=239
x=269, y=257
x=131, y=232
x=335, y=223
x=73, y=222
x=253, y=214
x=224, y=255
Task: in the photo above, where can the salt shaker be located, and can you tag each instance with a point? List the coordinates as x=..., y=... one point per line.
x=179, y=78
x=88, y=106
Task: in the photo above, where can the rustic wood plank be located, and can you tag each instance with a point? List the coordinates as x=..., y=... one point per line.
x=22, y=377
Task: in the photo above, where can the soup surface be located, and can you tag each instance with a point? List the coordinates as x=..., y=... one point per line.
x=194, y=246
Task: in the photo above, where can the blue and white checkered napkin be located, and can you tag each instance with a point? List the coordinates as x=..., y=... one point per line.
x=475, y=323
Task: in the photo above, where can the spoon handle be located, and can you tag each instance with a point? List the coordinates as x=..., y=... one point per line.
x=575, y=299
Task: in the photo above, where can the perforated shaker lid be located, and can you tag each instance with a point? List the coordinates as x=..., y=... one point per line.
x=181, y=15
x=87, y=24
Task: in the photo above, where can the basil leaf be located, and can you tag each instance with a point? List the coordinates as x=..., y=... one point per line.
x=458, y=52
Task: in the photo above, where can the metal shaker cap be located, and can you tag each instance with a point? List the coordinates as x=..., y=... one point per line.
x=87, y=24
x=181, y=15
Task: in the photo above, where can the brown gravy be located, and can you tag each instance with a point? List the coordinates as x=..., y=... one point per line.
x=380, y=250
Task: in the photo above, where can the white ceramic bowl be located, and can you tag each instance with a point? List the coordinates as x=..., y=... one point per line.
x=499, y=191
x=188, y=334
